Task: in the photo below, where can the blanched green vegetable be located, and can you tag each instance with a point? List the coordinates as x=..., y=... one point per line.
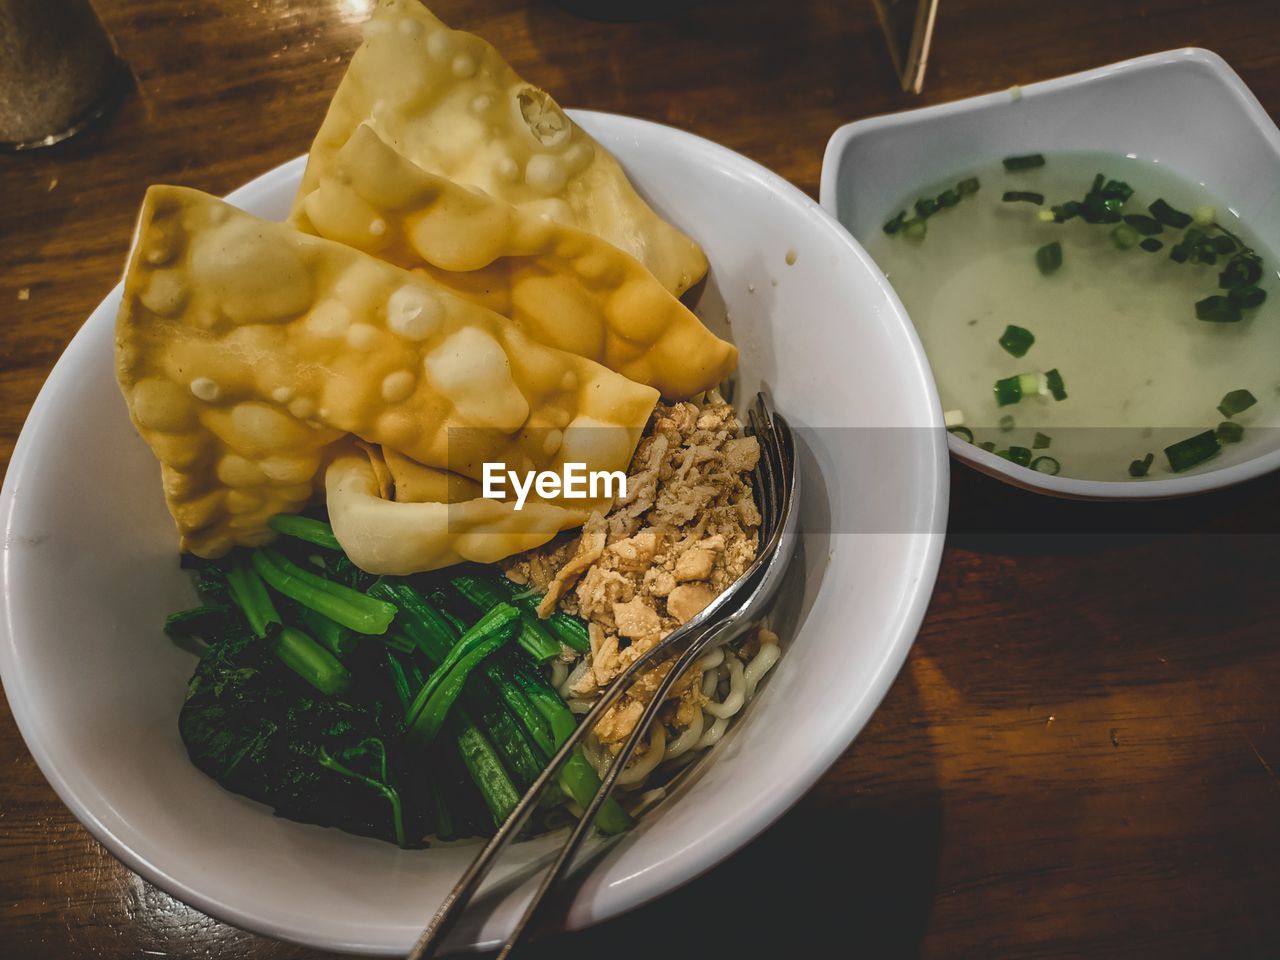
x=304, y=528
x=339, y=603
x=431, y=705
x=484, y=594
x=258, y=732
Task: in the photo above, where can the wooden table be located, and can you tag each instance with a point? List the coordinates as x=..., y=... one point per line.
x=1081, y=753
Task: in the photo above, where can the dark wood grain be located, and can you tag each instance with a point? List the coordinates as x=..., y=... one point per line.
x=1081, y=754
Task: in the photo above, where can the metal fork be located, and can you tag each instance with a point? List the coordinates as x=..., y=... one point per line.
x=776, y=479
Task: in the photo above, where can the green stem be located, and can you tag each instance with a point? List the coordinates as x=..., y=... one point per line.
x=577, y=777
x=312, y=662
x=485, y=769
x=351, y=608
x=250, y=595
x=304, y=528
x=335, y=638
x=483, y=594
x=503, y=713
x=579, y=780
x=432, y=704
x=390, y=795
x=569, y=630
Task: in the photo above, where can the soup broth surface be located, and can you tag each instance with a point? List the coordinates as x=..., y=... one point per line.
x=1140, y=370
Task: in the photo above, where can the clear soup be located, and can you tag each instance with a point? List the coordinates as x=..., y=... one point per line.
x=1140, y=370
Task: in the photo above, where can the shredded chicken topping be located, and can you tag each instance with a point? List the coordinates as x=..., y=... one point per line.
x=686, y=529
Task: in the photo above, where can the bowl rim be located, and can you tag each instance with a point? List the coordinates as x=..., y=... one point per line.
x=921, y=560
x=1070, y=488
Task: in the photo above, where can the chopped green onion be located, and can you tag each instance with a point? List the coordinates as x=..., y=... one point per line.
x=1217, y=309
x=894, y=225
x=988, y=446
x=1237, y=401
x=1241, y=271
x=1023, y=196
x=964, y=433
x=1006, y=423
x=1053, y=381
x=1016, y=340
x=1066, y=211
x=1169, y=216
x=1046, y=465
x=1178, y=253
x=1151, y=245
x=1247, y=296
x=926, y=207
x=1117, y=189
x=1230, y=432
x=1124, y=237
x=1049, y=258
x=1111, y=208
x=1041, y=441
x=1013, y=389
x=1020, y=455
x=1223, y=244
x=1104, y=203
x=1139, y=468
x=915, y=229
x=1008, y=391
x=948, y=198
x=1147, y=226
x=1024, y=162
x=967, y=187
x=1187, y=453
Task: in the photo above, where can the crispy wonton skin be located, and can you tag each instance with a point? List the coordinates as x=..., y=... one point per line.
x=400, y=537
x=564, y=287
x=245, y=350
x=449, y=102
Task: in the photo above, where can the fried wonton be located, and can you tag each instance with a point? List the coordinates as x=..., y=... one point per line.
x=450, y=103
x=564, y=287
x=411, y=482
x=246, y=349
x=397, y=537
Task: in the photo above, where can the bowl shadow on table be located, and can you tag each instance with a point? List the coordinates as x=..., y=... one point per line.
x=989, y=516
x=843, y=864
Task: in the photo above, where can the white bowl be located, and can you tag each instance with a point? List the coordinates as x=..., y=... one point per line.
x=90, y=569
x=1185, y=109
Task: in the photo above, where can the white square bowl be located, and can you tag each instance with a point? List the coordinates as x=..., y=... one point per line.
x=1185, y=109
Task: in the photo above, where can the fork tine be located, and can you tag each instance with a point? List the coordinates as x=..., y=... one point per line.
x=763, y=480
x=772, y=440
x=772, y=467
x=764, y=476
x=450, y=909
x=776, y=489
x=564, y=859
